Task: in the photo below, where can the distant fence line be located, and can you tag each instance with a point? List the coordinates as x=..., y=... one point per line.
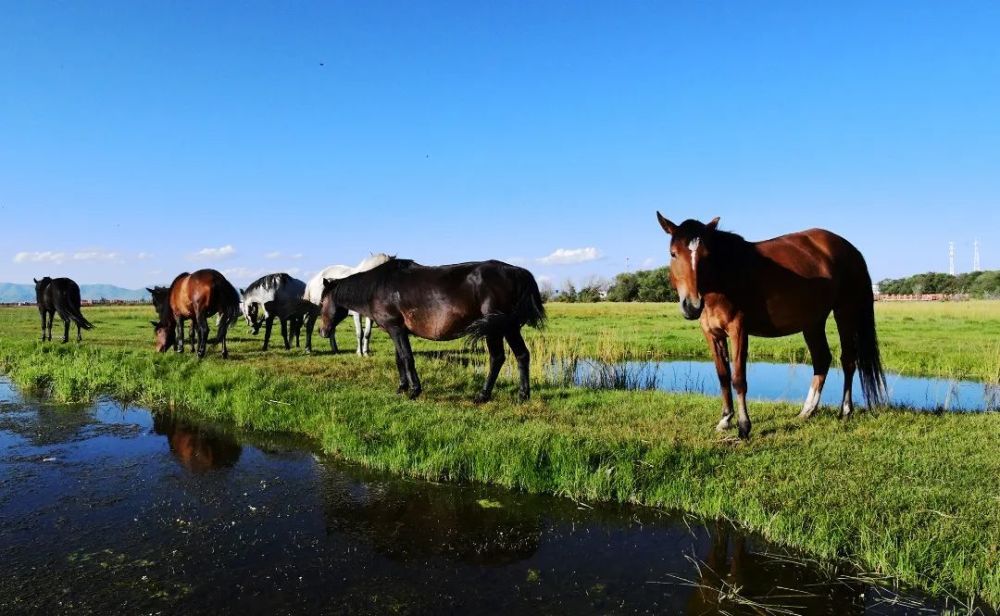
x=921, y=297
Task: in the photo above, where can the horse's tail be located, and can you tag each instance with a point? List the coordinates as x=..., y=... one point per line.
x=69, y=308
x=869, y=359
x=528, y=310
x=230, y=308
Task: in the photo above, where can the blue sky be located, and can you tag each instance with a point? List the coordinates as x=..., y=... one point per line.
x=141, y=139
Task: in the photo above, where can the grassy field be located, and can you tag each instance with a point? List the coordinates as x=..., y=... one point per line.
x=915, y=496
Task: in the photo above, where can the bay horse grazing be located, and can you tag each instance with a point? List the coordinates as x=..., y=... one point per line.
x=773, y=288
x=274, y=295
x=314, y=295
x=487, y=300
x=60, y=295
x=197, y=297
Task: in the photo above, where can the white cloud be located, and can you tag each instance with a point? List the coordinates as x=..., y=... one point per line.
x=223, y=252
x=143, y=256
x=277, y=254
x=243, y=273
x=568, y=256
x=95, y=255
x=46, y=256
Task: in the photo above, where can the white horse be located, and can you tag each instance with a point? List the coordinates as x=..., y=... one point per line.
x=314, y=295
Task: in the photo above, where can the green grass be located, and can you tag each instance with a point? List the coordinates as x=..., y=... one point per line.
x=911, y=495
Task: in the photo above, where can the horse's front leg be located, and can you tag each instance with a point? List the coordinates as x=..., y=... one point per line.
x=284, y=332
x=268, y=322
x=65, y=330
x=179, y=344
x=310, y=322
x=359, y=334
x=367, y=340
x=720, y=354
x=740, y=344
x=402, y=340
x=42, y=313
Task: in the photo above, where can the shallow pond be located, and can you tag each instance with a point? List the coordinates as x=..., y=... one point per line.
x=112, y=509
x=784, y=382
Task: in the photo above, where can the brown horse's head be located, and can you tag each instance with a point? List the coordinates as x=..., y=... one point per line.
x=688, y=246
x=166, y=336
x=330, y=313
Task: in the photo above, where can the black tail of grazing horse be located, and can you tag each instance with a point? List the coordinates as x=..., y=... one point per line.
x=869, y=359
x=528, y=310
x=69, y=308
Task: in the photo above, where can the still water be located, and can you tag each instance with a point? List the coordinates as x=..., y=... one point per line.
x=112, y=509
x=787, y=382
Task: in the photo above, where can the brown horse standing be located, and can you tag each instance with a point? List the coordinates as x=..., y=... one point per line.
x=194, y=296
x=774, y=288
x=487, y=300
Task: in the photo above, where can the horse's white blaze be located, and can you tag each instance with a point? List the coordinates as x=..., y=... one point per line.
x=693, y=247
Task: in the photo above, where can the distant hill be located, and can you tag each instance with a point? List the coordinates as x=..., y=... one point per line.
x=10, y=292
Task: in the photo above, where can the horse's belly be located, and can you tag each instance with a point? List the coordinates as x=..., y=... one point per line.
x=437, y=325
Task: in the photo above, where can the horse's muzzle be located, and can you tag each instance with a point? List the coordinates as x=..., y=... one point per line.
x=690, y=310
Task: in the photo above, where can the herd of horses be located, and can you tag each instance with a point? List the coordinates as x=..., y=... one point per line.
x=735, y=288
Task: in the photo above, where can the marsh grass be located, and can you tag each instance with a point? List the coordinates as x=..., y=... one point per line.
x=914, y=496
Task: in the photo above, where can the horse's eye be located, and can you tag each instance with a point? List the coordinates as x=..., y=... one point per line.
x=673, y=255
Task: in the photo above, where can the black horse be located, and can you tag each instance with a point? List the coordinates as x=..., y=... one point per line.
x=487, y=300
x=60, y=295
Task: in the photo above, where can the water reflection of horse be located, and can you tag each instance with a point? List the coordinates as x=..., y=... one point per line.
x=198, y=449
x=405, y=520
x=729, y=571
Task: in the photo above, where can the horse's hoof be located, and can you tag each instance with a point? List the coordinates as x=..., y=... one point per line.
x=744, y=431
x=523, y=397
x=480, y=398
x=723, y=425
x=414, y=393
x=402, y=389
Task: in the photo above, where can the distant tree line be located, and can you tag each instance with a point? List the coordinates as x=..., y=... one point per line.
x=654, y=286
x=977, y=284
x=639, y=286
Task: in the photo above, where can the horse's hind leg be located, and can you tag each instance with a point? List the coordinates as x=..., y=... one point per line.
x=52, y=318
x=65, y=330
x=494, y=344
x=42, y=314
x=523, y=357
x=819, y=350
x=847, y=327
x=179, y=345
x=222, y=333
x=202, y=320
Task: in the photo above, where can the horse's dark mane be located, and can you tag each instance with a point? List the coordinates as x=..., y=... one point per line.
x=357, y=289
x=266, y=282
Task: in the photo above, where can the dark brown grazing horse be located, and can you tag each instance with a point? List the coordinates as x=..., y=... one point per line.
x=60, y=295
x=195, y=296
x=774, y=288
x=487, y=300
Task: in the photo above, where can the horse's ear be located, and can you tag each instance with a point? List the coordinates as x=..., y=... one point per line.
x=668, y=226
x=243, y=292
x=36, y=280
x=712, y=224
x=328, y=283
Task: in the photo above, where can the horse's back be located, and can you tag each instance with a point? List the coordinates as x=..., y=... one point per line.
x=813, y=253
